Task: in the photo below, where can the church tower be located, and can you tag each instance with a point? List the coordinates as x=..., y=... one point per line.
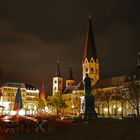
x=42, y=93
x=57, y=81
x=90, y=58
x=70, y=81
x=42, y=96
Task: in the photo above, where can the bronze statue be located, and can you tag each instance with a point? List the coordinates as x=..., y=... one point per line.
x=89, y=105
x=87, y=82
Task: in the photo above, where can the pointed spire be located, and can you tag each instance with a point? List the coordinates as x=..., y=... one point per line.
x=70, y=73
x=90, y=49
x=138, y=60
x=57, y=74
x=42, y=92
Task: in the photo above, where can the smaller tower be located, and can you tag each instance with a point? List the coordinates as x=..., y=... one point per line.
x=70, y=81
x=57, y=81
x=42, y=94
x=42, y=97
x=138, y=65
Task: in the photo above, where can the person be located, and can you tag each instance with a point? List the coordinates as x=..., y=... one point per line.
x=87, y=82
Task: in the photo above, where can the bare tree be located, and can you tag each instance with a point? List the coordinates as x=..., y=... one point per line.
x=107, y=97
x=98, y=103
x=131, y=92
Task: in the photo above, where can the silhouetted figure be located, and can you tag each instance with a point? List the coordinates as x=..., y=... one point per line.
x=87, y=82
x=89, y=101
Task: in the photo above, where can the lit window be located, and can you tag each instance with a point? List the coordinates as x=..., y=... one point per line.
x=91, y=69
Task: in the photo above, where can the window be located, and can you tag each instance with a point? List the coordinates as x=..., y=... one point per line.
x=96, y=70
x=55, y=81
x=91, y=69
x=86, y=69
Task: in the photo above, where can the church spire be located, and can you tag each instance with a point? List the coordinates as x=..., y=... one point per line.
x=70, y=81
x=90, y=49
x=57, y=74
x=70, y=73
x=138, y=60
x=90, y=60
x=42, y=93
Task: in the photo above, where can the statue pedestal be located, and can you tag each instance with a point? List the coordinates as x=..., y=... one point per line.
x=89, y=112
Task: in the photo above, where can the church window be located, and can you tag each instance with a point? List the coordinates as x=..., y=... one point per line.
x=68, y=84
x=55, y=88
x=86, y=69
x=91, y=69
x=55, y=81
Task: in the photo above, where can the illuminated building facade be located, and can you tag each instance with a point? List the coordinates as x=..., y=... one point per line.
x=30, y=97
x=72, y=93
x=57, y=81
x=31, y=100
x=109, y=93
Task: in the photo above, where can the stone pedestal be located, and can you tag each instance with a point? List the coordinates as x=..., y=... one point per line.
x=89, y=112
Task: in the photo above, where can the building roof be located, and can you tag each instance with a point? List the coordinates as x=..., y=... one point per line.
x=80, y=86
x=30, y=87
x=14, y=84
x=69, y=89
x=90, y=48
x=110, y=82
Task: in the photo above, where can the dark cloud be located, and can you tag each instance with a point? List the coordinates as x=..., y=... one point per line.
x=34, y=34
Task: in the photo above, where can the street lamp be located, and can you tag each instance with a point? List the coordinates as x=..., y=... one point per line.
x=72, y=107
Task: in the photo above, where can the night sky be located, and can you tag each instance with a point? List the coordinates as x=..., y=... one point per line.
x=35, y=33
